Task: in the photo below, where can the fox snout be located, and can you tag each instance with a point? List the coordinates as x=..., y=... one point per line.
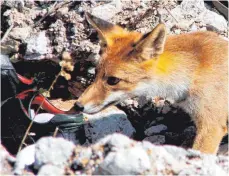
x=97, y=97
x=92, y=100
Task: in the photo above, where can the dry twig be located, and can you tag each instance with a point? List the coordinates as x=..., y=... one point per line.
x=31, y=123
x=55, y=132
x=171, y=14
x=54, y=7
x=67, y=59
x=7, y=33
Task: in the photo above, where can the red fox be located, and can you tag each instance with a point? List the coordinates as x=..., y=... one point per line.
x=190, y=69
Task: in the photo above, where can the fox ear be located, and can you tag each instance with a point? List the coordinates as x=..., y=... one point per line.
x=152, y=43
x=104, y=28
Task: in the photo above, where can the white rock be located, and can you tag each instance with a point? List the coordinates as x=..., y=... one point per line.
x=214, y=19
x=198, y=12
x=38, y=44
x=155, y=129
x=107, y=11
x=116, y=140
x=5, y=157
x=192, y=7
x=20, y=33
x=193, y=27
x=24, y=158
x=177, y=31
x=133, y=160
x=55, y=151
x=109, y=121
x=50, y=170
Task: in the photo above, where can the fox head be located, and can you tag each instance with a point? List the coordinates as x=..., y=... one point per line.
x=128, y=61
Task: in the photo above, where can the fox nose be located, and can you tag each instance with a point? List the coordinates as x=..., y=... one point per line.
x=78, y=106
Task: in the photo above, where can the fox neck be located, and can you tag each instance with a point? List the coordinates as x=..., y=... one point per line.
x=167, y=78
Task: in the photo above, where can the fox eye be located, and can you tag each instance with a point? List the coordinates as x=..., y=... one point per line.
x=112, y=80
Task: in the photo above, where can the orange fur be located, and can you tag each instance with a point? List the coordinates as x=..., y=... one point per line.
x=192, y=65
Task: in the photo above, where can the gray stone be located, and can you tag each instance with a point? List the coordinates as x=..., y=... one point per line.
x=19, y=4
x=106, y=122
x=223, y=150
x=10, y=46
x=156, y=139
x=50, y=170
x=55, y=151
x=37, y=45
x=107, y=11
x=20, y=33
x=155, y=129
x=160, y=118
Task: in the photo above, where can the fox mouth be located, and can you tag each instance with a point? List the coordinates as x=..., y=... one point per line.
x=104, y=107
x=111, y=103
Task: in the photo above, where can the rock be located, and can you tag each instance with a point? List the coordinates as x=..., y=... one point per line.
x=107, y=122
x=156, y=139
x=195, y=10
x=193, y=27
x=117, y=154
x=160, y=118
x=55, y=151
x=144, y=158
x=177, y=31
x=131, y=161
x=37, y=45
x=155, y=129
x=91, y=70
x=14, y=4
x=20, y=33
x=223, y=150
x=214, y=19
x=115, y=140
x=111, y=10
x=24, y=158
x=50, y=170
x=6, y=167
x=192, y=7
x=9, y=47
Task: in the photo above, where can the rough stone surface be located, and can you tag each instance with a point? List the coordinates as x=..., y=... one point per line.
x=107, y=122
x=21, y=33
x=156, y=139
x=155, y=129
x=50, y=170
x=37, y=45
x=198, y=12
x=118, y=154
x=6, y=167
x=118, y=162
x=111, y=10
x=146, y=158
x=55, y=151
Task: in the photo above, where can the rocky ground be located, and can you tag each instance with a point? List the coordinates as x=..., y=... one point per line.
x=34, y=35
x=114, y=154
